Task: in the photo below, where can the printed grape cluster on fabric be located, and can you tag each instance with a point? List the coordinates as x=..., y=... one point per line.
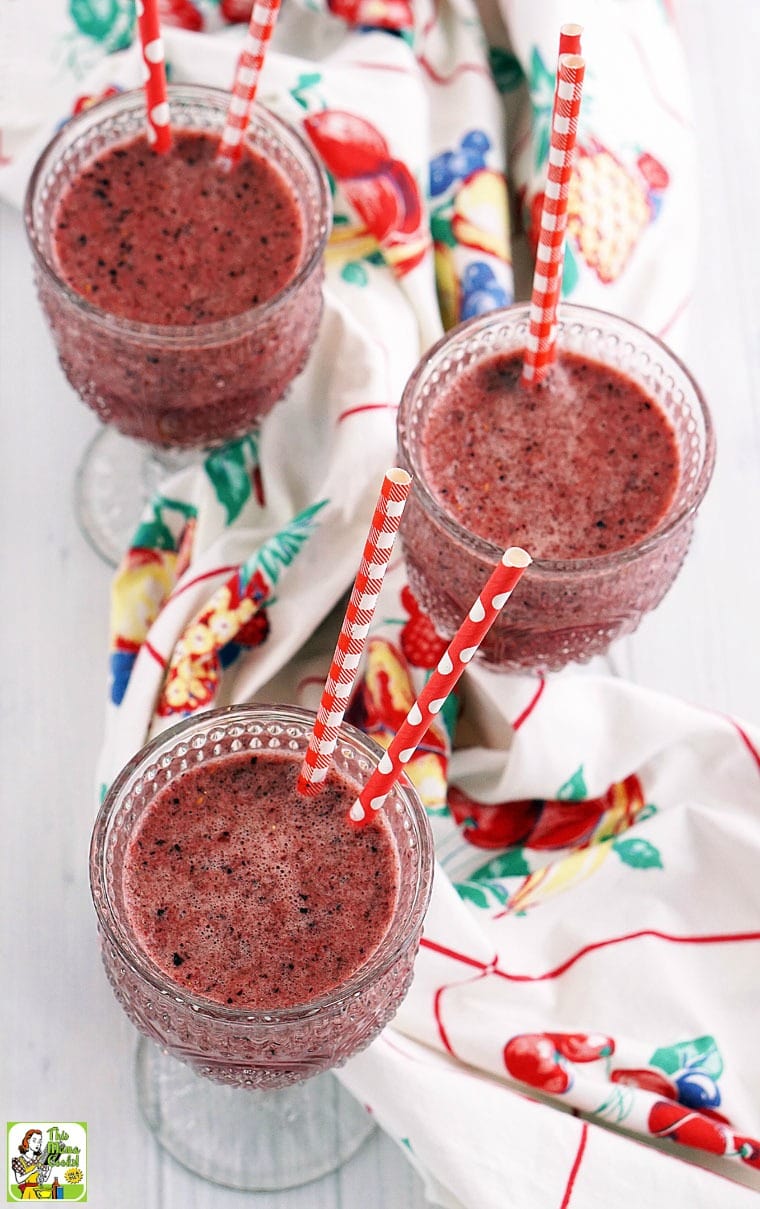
x=470, y=229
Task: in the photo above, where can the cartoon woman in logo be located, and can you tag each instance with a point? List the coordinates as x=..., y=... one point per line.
x=32, y=1169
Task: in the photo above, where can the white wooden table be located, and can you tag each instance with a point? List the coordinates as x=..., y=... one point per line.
x=66, y=1049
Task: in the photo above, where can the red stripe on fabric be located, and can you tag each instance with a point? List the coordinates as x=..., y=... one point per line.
x=460, y=70
x=156, y=655
x=677, y=313
x=439, y=1021
x=468, y=961
x=720, y=938
x=575, y=1168
x=197, y=579
x=717, y=938
x=366, y=65
x=353, y=411
x=438, y=1014
x=523, y=717
x=746, y=741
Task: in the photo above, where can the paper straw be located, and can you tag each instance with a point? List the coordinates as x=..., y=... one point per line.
x=570, y=39
x=361, y=607
x=547, y=281
x=247, y=74
x=431, y=700
x=154, y=75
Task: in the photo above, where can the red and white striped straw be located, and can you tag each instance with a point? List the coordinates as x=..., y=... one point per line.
x=361, y=607
x=452, y=664
x=540, y=347
x=570, y=39
x=154, y=75
x=247, y=73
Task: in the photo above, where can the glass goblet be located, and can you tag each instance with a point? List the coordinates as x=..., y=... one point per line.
x=244, y=1097
x=566, y=609
x=175, y=389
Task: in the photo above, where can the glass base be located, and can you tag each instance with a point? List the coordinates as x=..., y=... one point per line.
x=255, y=1141
x=116, y=478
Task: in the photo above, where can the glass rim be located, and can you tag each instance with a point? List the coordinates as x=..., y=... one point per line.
x=489, y=551
x=204, y=333
x=388, y=952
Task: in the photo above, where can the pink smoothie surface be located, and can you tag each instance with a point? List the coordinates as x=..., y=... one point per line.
x=243, y=892
x=173, y=239
x=582, y=465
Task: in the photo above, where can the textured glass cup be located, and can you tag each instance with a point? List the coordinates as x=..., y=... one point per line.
x=193, y=386
x=199, y=1119
x=171, y=387
x=572, y=609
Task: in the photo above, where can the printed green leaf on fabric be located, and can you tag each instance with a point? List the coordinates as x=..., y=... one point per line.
x=278, y=551
x=229, y=470
x=482, y=892
x=574, y=789
x=355, y=273
x=449, y=714
x=541, y=84
x=95, y=18
x=109, y=22
x=441, y=229
x=499, y=892
x=638, y=853
x=472, y=894
x=570, y=272
x=505, y=68
x=511, y=863
x=700, y=1054
x=305, y=81
x=156, y=533
x=617, y=1106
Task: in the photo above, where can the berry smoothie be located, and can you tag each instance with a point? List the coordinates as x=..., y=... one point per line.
x=171, y=239
x=597, y=472
x=183, y=298
x=247, y=894
x=584, y=464
x=254, y=934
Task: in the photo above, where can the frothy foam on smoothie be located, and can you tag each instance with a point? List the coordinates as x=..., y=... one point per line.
x=245, y=893
x=172, y=239
x=585, y=464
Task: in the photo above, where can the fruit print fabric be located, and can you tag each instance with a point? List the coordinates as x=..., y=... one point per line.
x=469, y=224
x=602, y=934
x=631, y=199
x=380, y=188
